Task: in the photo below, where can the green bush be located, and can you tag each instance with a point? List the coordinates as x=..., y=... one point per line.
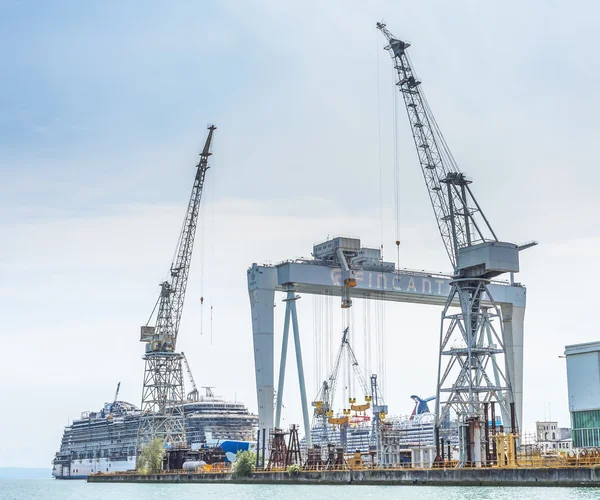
x=293, y=470
x=151, y=457
x=244, y=463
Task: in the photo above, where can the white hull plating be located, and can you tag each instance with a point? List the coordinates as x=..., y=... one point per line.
x=81, y=469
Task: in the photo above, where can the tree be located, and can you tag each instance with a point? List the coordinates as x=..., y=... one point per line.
x=293, y=470
x=244, y=463
x=151, y=456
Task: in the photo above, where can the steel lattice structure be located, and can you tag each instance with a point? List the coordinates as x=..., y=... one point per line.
x=163, y=393
x=472, y=367
x=474, y=371
x=162, y=399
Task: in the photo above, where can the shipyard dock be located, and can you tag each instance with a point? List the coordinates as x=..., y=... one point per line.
x=543, y=476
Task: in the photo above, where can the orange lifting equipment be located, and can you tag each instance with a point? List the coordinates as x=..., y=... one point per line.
x=350, y=282
x=363, y=407
x=338, y=420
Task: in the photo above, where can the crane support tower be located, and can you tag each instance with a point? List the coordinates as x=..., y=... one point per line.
x=163, y=392
x=473, y=366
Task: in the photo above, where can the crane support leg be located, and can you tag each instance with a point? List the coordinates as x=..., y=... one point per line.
x=513, y=319
x=292, y=298
x=474, y=364
x=261, y=285
x=282, y=363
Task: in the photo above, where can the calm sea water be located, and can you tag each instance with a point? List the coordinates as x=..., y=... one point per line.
x=42, y=489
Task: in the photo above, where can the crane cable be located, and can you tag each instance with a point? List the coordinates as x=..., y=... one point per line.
x=202, y=220
x=379, y=162
x=315, y=341
x=379, y=315
x=330, y=326
x=318, y=340
x=207, y=227
x=396, y=163
x=212, y=192
x=365, y=327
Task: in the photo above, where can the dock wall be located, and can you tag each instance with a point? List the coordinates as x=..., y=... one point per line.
x=567, y=476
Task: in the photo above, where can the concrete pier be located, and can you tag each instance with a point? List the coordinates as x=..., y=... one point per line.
x=564, y=476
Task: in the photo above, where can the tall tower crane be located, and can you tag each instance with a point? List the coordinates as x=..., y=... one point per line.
x=163, y=391
x=471, y=370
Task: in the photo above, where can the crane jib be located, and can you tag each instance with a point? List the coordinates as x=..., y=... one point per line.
x=460, y=221
x=163, y=336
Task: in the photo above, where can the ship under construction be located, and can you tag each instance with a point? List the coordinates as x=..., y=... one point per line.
x=106, y=440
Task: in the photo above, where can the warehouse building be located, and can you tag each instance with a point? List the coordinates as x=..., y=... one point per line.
x=583, y=379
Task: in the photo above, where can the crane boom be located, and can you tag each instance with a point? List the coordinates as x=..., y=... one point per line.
x=117, y=393
x=172, y=294
x=357, y=371
x=453, y=203
x=193, y=394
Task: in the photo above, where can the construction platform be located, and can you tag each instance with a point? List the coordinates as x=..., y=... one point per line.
x=543, y=476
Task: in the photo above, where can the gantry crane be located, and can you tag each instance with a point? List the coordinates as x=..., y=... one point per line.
x=163, y=392
x=470, y=369
x=323, y=415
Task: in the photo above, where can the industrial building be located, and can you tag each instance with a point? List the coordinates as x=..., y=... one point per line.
x=550, y=437
x=583, y=379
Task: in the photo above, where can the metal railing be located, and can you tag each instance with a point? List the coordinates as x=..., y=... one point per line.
x=559, y=460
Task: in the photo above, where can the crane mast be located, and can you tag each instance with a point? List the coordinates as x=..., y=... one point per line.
x=472, y=367
x=163, y=391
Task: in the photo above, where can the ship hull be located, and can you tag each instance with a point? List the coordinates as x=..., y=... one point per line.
x=82, y=468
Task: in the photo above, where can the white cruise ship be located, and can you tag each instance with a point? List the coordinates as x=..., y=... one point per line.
x=105, y=441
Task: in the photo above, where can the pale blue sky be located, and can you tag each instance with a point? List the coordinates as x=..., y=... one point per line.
x=103, y=109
